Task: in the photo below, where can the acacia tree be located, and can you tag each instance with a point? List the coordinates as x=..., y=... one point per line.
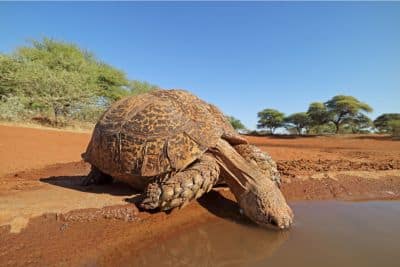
x=383, y=122
x=270, y=119
x=395, y=128
x=318, y=113
x=105, y=81
x=358, y=124
x=319, y=118
x=341, y=108
x=298, y=121
x=236, y=123
x=60, y=91
x=60, y=78
x=55, y=77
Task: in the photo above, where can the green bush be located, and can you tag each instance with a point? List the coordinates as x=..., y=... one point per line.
x=382, y=123
x=395, y=126
x=327, y=128
x=57, y=84
x=236, y=123
x=12, y=108
x=90, y=113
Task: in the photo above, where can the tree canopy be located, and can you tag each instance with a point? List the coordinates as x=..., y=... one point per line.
x=358, y=124
x=57, y=56
x=270, y=119
x=384, y=122
x=318, y=113
x=298, y=121
x=395, y=128
x=341, y=108
x=59, y=78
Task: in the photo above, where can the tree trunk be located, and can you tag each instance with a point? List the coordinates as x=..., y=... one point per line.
x=337, y=127
x=55, y=116
x=56, y=111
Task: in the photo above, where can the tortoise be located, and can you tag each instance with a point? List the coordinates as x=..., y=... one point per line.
x=174, y=147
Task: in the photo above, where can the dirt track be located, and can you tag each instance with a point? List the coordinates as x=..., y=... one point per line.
x=47, y=218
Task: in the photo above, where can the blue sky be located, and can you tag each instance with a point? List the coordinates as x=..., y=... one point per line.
x=243, y=57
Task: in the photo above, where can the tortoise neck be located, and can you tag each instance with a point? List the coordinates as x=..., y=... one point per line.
x=237, y=172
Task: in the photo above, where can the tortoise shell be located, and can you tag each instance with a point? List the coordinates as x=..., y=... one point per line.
x=155, y=133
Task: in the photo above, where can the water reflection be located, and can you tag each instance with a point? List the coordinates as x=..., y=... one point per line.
x=215, y=244
x=357, y=234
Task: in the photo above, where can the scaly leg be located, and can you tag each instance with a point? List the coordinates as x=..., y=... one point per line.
x=260, y=159
x=176, y=190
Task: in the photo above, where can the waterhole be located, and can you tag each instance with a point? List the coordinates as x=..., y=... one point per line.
x=325, y=234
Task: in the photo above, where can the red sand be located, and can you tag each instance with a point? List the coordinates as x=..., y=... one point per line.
x=27, y=148
x=39, y=166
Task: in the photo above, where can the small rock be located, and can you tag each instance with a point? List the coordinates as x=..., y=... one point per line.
x=63, y=227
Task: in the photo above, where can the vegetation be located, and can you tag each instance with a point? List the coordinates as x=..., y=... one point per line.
x=340, y=114
x=395, y=128
x=319, y=119
x=384, y=123
x=343, y=109
x=59, y=82
x=388, y=123
x=326, y=128
x=270, y=119
x=357, y=124
x=299, y=121
x=318, y=114
x=236, y=123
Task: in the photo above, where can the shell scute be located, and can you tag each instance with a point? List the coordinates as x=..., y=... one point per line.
x=154, y=159
x=131, y=156
x=183, y=150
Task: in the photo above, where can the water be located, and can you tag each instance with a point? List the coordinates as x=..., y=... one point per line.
x=325, y=234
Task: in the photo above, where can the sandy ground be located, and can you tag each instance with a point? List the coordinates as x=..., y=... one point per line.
x=47, y=218
x=27, y=148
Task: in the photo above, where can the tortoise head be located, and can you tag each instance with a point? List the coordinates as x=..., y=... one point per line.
x=258, y=196
x=266, y=206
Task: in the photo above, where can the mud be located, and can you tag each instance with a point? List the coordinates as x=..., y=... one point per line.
x=47, y=218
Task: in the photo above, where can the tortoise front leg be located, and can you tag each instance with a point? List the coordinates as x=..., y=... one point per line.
x=96, y=176
x=176, y=190
x=260, y=159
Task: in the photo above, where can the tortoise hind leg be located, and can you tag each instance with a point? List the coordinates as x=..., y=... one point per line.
x=178, y=189
x=96, y=176
x=262, y=160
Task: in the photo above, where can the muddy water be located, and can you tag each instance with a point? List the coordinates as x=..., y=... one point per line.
x=325, y=234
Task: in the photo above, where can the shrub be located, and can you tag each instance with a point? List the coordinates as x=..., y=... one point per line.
x=12, y=108
x=395, y=126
